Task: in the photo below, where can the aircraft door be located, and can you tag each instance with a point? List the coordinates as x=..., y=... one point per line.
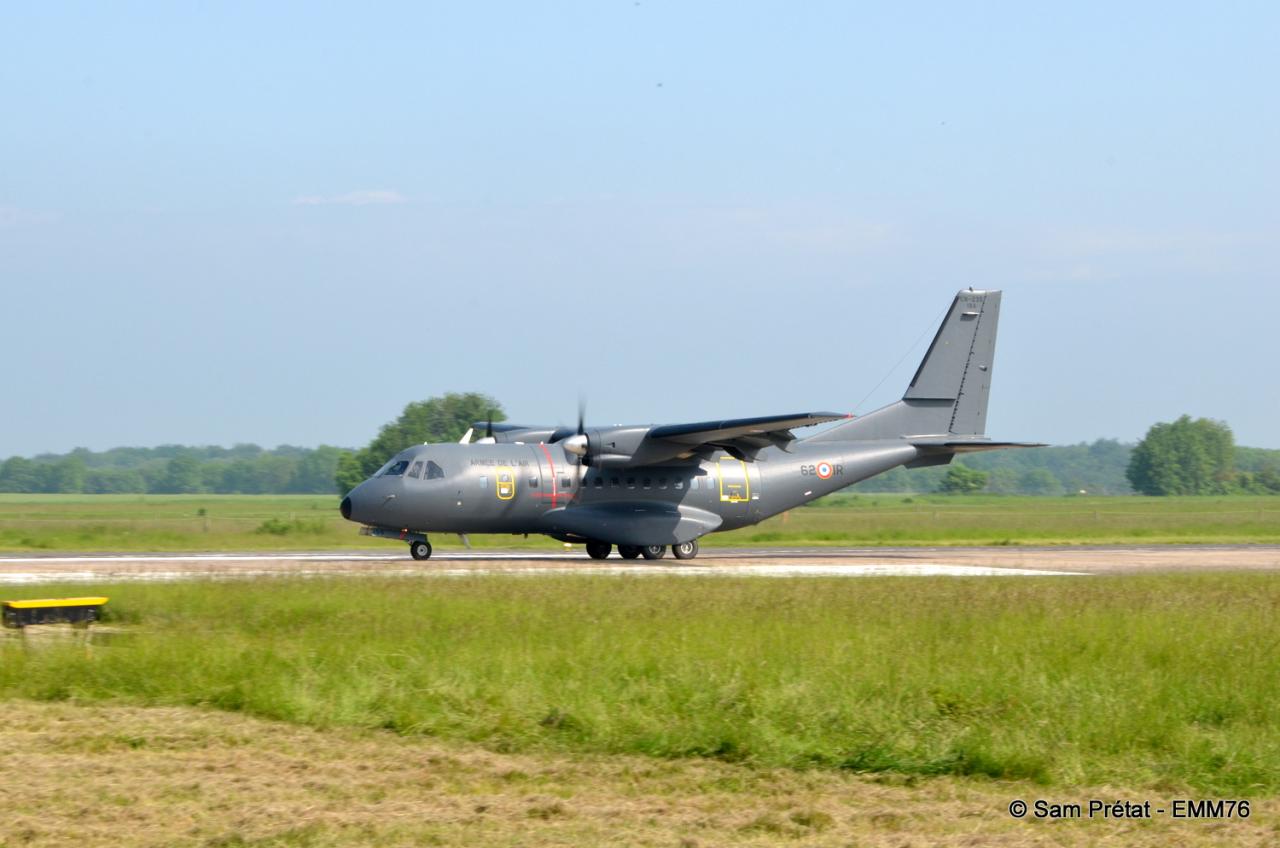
x=738, y=488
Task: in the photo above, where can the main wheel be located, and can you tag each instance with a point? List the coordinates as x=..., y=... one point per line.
x=654, y=551
x=599, y=550
x=420, y=550
x=629, y=551
x=685, y=550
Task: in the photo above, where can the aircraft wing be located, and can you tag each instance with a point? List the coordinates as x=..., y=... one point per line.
x=741, y=437
x=625, y=446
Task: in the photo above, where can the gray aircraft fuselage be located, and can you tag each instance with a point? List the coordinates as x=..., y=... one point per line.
x=518, y=488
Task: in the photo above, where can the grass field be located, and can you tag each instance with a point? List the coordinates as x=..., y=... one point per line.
x=310, y=522
x=165, y=777
x=1161, y=682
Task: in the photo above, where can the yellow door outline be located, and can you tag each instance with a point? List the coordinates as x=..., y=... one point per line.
x=735, y=492
x=506, y=479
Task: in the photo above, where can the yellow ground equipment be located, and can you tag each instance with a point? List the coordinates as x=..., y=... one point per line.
x=79, y=611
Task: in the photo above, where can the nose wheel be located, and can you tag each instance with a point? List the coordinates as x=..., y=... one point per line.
x=420, y=550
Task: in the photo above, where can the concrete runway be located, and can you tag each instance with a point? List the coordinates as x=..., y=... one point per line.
x=758, y=562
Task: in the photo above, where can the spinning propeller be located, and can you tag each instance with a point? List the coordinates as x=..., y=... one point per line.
x=579, y=445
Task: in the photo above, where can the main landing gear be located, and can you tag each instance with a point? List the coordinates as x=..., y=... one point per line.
x=601, y=550
x=420, y=549
x=685, y=550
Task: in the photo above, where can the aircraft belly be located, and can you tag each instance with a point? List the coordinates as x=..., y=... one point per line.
x=632, y=523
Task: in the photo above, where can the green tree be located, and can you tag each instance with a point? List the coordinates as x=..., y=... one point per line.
x=1184, y=457
x=438, y=419
x=349, y=472
x=114, y=481
x=1003, y=481
x=19, y=474
x=960, y=479
x=1039, y=481
x=66, y=475
x=182, y=476
x=315, y=471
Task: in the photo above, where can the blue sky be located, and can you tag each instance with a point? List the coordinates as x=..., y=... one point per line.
x=278, y=223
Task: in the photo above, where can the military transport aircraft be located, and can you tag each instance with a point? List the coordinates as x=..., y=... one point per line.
x=644, y=488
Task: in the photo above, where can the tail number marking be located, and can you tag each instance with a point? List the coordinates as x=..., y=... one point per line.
x=822, y=470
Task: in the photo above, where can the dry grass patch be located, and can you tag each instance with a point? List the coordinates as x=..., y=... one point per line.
x=112, y=775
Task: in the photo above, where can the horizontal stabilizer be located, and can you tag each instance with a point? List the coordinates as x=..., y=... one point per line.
x=969, y=445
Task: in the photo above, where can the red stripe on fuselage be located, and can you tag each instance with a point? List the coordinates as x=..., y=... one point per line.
x=554, y=494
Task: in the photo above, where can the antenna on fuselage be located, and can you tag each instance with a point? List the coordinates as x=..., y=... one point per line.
x=488, y=431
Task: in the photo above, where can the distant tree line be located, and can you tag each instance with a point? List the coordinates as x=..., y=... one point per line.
x=1097, y=468
x=1183, y=457
x=175, y=469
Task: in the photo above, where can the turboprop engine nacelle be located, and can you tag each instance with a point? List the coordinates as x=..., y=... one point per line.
x=621, y=447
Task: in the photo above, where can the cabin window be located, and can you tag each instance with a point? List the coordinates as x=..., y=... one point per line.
x=533, y=482
x=566, y=483
x=397, y=469
x=615, y=482
x=434, y=472
x=677, y=483
x=599, y=482
x=484, y=482
x=631, y=482
x=662, y=482
x=415, y=471
x=648, y=482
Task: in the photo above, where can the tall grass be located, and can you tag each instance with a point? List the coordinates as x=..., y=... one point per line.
x=1163, y=681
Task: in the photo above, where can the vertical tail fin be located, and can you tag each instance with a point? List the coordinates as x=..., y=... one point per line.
x=948, y=394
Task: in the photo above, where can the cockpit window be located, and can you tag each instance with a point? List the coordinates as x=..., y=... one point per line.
x=396, y=469
x=434, y=472
x=416, y=471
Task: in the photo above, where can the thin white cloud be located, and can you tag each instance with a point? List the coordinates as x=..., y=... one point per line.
x=13, y=216
x=364, y=197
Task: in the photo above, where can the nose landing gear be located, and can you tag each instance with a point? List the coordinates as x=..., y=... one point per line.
x=420, y=549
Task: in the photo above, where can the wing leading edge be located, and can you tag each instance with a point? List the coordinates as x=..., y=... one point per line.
x=742, y=437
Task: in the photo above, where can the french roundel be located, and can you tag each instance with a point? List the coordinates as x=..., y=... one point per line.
x=824, y=470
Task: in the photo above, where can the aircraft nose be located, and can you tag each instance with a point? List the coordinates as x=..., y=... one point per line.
x=355, y=505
